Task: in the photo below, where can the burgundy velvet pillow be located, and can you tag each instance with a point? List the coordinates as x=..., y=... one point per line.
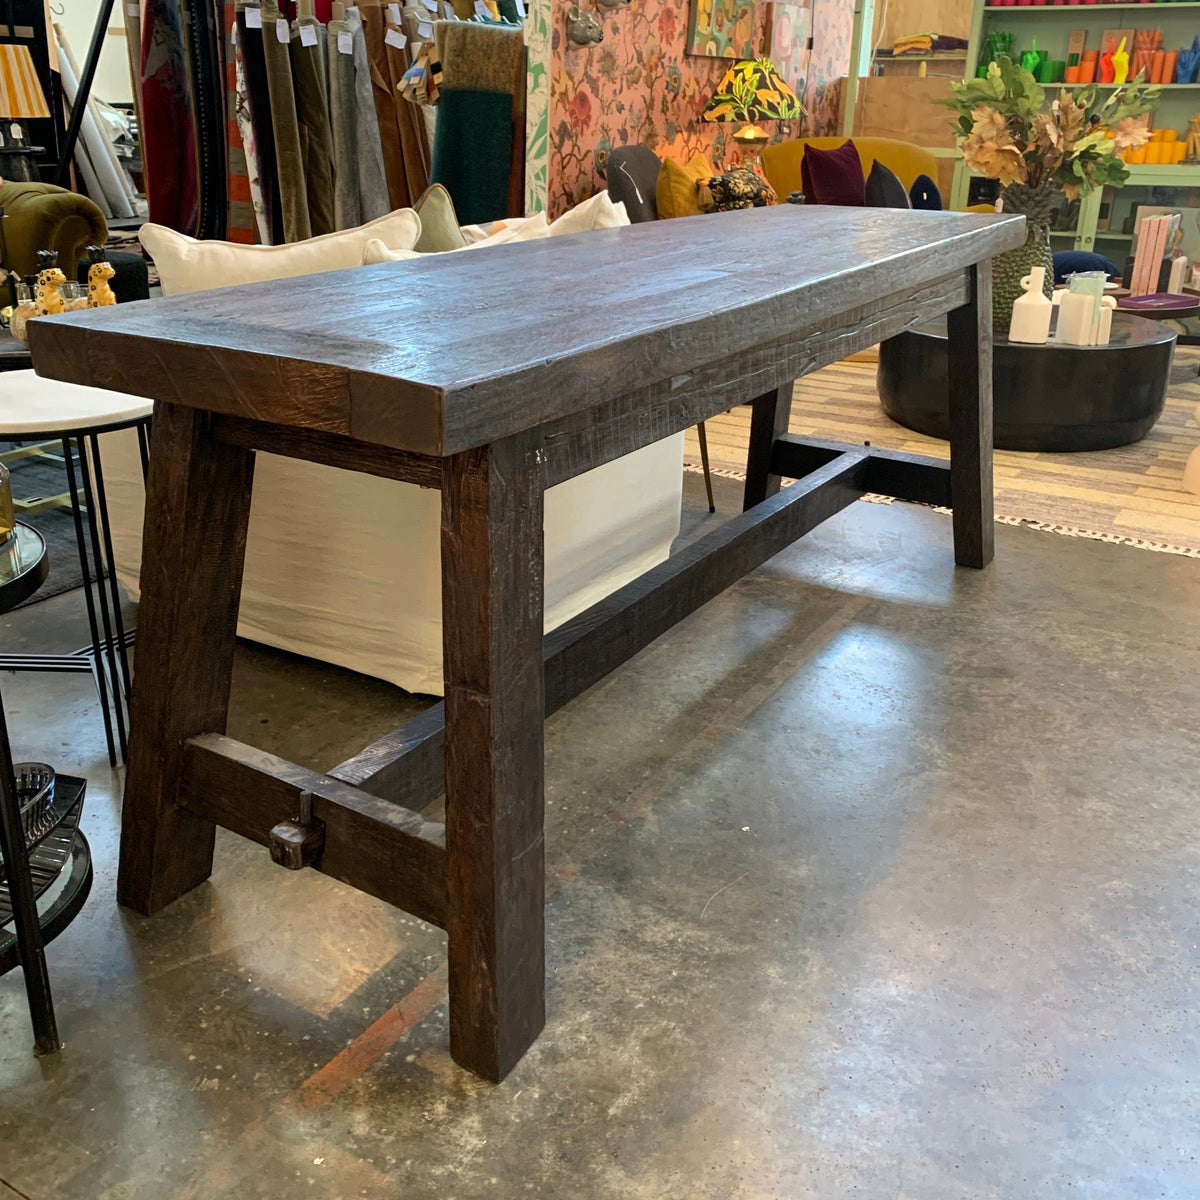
x=833, y=176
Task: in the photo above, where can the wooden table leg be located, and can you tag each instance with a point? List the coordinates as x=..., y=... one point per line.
x=492, y=581
x=769, y=418
x=970, y=372
x=197, y=509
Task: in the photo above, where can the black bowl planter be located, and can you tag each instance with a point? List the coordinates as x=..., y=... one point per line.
x=1047, y=398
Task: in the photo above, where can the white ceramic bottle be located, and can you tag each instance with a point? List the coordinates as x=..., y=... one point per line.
x=1031, y=313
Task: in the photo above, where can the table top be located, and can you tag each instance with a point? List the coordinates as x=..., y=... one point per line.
x=23, y=566
x=444, y=353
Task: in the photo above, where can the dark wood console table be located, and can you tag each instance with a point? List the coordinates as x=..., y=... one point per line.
x=493, y=375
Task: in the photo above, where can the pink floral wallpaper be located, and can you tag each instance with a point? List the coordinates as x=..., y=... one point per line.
x=639, y=85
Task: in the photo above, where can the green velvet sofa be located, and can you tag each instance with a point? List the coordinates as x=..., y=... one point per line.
x=40, y=216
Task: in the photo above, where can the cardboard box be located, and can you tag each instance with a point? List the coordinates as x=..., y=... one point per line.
x=1115, y=35
x=1076, y=45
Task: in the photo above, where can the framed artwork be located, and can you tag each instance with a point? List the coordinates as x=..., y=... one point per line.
x=721, y=28
x=788, y=29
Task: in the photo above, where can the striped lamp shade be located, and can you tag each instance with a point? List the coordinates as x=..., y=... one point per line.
x=20, y=92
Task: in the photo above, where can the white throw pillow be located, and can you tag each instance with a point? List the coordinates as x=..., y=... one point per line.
x=597, y=213
x=187, y=265
x=378, y=251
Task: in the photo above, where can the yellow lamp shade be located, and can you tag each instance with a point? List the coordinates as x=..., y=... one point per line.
x=753, y=90
x=20, y=92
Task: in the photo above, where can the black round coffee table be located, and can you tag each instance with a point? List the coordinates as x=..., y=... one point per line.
x=1046, y=398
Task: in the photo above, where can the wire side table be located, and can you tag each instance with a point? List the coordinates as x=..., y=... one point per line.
x=59, y=869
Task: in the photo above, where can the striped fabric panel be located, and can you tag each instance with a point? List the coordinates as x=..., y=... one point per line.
x=20, y=91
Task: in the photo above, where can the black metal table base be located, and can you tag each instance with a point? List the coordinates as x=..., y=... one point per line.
x=106, y=657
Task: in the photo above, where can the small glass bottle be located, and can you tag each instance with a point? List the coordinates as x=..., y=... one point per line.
x=8, y=521
x=74, y=296
x=24, y=310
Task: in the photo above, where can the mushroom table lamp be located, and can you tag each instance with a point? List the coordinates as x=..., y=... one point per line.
x=753, y=91
x=21, y=99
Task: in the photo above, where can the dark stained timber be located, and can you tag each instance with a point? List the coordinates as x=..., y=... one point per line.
x=545, y=360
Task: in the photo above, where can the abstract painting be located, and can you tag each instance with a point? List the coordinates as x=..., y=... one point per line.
x=722, y=29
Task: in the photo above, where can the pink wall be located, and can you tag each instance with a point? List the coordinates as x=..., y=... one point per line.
x=639, y=85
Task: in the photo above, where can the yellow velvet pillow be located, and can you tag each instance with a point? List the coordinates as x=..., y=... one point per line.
x=677, y=184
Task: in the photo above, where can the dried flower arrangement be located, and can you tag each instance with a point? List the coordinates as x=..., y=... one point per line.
x=1037, y=151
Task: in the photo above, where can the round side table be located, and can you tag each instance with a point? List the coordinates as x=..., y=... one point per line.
x=34, y=409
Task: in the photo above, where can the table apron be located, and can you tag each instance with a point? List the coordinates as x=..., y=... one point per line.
x=648, y=412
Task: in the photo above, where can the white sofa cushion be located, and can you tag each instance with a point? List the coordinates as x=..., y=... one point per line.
x=187, y=265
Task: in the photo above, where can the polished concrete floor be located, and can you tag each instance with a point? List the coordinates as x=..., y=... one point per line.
x=874, y=878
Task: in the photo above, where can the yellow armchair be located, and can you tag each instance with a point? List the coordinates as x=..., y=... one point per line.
x=781, y=162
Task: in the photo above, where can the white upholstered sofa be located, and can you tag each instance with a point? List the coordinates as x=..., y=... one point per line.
x=345, y=567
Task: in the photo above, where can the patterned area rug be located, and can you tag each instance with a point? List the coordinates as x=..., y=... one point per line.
x=1131, y=495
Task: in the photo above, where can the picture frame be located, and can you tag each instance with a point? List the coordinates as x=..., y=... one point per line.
x=722, y=29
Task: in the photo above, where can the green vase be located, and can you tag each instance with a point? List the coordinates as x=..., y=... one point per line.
x=1036, y=205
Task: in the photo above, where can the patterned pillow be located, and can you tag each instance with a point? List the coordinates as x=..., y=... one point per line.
x=739, y=188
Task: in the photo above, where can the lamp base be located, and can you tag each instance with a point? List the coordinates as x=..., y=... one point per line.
x=17, y=164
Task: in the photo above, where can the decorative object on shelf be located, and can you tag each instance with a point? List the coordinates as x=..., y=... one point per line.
x=752, y=91
x=583, y=28
x=1005, y=135
x=1033, y=57
x=1107, y=66
x=1188, y=65
x=1120, y=65
x=1146, y=43
x=21, y=99
x=721, y=28
x=49, y=278
x=1032, y=312
x=1193, y=139
x=100, y=295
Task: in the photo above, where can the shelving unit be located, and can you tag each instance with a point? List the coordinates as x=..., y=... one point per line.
x=1052, y=24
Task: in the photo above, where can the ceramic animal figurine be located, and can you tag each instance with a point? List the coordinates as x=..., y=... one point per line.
x=45, y=295
x=583, y=28
x=1106, y=62
x=99, y=273
x=1120, y=64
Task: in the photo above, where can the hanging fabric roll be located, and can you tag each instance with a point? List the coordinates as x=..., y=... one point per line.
x=472, y=153
x=312, y=113
x=240, y=217
x=168, y=131
x=343, y=124
x=256, y=109
x=374, y=33
x=289, y=156
x=372, y=178
x=402, y=36
x=254, y=177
